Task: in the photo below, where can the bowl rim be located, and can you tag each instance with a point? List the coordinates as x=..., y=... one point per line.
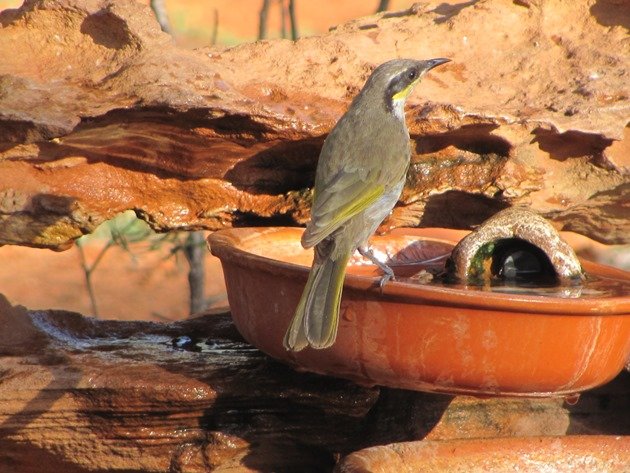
x=224, y=244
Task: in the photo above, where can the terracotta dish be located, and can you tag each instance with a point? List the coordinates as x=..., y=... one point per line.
x=430, y=337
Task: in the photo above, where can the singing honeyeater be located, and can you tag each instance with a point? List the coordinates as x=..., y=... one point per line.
x=360, y=175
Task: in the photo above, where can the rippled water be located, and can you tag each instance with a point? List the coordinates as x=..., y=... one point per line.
x=594, y=286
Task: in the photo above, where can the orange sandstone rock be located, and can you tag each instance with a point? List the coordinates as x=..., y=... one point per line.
x=100, y=113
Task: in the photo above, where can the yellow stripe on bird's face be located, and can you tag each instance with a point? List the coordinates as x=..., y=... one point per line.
x=402, y=95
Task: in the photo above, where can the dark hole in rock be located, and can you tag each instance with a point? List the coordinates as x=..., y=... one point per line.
x=570, y=144
x=473, y=138
x=611, y=13
x=251, y=219
x=518, y=262
x=278, y=169
x=107, y=29
x=459, y=209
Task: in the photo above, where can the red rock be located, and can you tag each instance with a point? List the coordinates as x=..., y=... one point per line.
x=520, y=224
x=596, y=454
x=100, y=112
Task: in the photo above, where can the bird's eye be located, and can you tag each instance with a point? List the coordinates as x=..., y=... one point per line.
x=412, y=74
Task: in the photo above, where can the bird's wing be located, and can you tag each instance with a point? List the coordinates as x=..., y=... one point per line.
x=348, y=193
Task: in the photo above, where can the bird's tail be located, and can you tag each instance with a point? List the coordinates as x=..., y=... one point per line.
x=317, y=315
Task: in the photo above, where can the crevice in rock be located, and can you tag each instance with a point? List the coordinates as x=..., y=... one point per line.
x=14, y=132
x=252, y=219
x=107, y=29
x=9, y=15
x=611, y=13
x=475, y=138
x=183, y=145
x=278, y=169
x=448, y=11
x=572, y=144
x=220, y=120
x=457, y=209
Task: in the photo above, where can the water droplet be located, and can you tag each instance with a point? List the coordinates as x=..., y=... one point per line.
x=572, y=399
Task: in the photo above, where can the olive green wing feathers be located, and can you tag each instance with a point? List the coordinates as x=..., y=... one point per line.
x=348, y=193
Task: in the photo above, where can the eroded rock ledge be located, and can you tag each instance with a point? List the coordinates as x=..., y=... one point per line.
x=101, y=113
x=79, y=394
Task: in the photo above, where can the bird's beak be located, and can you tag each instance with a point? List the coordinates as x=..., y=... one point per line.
x=431, y=63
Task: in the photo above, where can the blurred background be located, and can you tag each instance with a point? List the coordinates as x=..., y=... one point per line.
x=126, y=271
x=197, y=23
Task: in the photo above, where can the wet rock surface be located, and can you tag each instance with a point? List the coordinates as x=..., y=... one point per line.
x=100, y=113
x=79, y=394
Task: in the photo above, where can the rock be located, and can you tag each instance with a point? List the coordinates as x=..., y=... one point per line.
x=473, y=258
x=596, y=454
x=79, y=394
x=101, y=113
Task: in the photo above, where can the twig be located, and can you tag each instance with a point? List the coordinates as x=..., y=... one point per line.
x=215, y=27
x=117, y=237
x=194, y=250
x=159, y=10
x=88, y=270
x=283, y=19
x=382, y=5
x=294, y=30
x=262, y=25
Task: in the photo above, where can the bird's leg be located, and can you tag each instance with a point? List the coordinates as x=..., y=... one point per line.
x=367, y=252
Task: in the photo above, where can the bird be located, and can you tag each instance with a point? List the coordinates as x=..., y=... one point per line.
x=359, y=177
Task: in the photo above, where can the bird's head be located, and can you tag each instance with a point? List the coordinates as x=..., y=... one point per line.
x=394, y=80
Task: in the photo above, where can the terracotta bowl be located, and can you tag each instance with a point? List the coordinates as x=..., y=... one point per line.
x=422, y=336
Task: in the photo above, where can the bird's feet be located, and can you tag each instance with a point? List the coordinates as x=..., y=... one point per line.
x=388, y=275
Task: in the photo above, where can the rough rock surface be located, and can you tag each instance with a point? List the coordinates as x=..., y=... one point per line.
x=79, y=394
x=466, y=265
x=595, y=454
x=100, y=113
